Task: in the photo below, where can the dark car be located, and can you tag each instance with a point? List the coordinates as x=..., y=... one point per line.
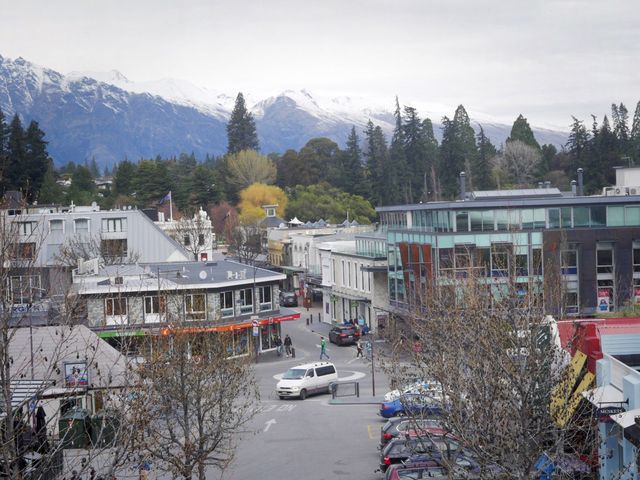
x=288, y=299
x=429, y=447
x=344, y=335
x=397, y=426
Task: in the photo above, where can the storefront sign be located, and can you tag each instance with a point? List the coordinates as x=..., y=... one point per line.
x=609, y=410
x=603, y=300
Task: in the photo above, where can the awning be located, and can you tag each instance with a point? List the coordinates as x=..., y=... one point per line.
x=348, y=296
x=626, y=419
x=605, y=395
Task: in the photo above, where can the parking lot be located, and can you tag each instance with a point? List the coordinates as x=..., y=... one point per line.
x=314, y=438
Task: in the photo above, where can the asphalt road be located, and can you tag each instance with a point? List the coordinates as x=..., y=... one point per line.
x=311, y=439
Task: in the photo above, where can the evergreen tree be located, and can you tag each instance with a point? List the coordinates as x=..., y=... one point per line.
x=36, y=161
x=4, y=153
x=522, y=131
x=241, y=129
x=377, y=165
x=351, y=178
x=398, y=176
x=457, y=151
x=318, y=161
x=203, y=189
x=620, y=116
x=93, y=167
x=431, y=161
x=50, y=191
x=415, y=154
x=481, y=178
x=123, y=178
x=549, y=153
x=17, y=178
x=577, y=143
x=82, y=187
x=635, y=135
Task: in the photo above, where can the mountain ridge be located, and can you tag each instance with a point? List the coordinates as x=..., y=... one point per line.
x=104, y=115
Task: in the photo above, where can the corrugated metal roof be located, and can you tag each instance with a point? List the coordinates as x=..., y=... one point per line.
x=517, y=193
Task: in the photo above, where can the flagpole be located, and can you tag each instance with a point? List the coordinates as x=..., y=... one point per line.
x=170, y=208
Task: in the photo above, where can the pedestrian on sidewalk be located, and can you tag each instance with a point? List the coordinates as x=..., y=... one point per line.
x=278, y=344
x=323, y=348
x=358, y=349
x=287, y=344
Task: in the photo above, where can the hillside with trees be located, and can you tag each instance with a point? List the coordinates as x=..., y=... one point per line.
x=321, y=180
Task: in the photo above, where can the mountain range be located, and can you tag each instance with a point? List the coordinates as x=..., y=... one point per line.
x=105, y=116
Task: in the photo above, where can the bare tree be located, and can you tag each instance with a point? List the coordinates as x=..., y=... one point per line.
x=194, y=401
x=244, y=240
x=504, y=390
x=516, y=164
x=195, y=234
x=110, y=252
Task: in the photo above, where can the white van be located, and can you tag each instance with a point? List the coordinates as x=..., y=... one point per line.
x=306, y=379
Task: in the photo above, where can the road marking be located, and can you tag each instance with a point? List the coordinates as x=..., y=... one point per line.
x=372, y=432
x=269, y=423
x=274, y=408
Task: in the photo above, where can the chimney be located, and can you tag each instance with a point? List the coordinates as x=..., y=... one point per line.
x=573, y=187
x=547, y=184
x=580, y=183
x=463, y=185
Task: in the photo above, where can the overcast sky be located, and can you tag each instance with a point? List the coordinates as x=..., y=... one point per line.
x=546, y=59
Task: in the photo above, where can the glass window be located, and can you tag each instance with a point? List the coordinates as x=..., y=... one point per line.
x=581, y=216
x=264, y=296
x=195, y=306
x=500, y=261
x=539, y=220
x=115, y=306
x=636, y=257
x=56, y=226
x=226, y=304
x=554, y=217
x=604, y=258
x=81, y=225
x=26, y=228
x=25, y=288
x=527, y=219
x=462, y=221
x=445, y=258
x=114, y=224
x=246, y=300
x=615, y=216
x=522, y=266
x=475, y=218
x=502, y=220
x=570, y=262
x=632, y=216
x=487, y=221
x=565, y=214
x=536, y=261
x=186, y=240
x=201, y=239
x=114, y=249
x=598, y=216
x=154, y=307
x=483, y=256
x=23, y=251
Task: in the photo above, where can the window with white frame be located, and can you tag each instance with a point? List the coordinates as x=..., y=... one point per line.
x=355, y=273
x=111, y=225
x=201, y=239
x=349, y=273
x=344, y=274
x=154, y=308
x=264, y=296
x=81, y=226
x=333, y=271
x=26, y=228
x=246, y=300
x=23, y=251
x=195, y=306
x=56, y=226
x=115, y=307
x=25, y=288
x=226, y=304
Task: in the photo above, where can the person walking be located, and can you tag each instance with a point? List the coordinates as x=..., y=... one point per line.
x=287, y=344
x=278, y=343
x=358, y=349
x=323, y=348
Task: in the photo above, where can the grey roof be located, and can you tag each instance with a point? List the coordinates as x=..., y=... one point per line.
x=188, y=273
x=271, y=222
x=518, y=193
x=530, y=202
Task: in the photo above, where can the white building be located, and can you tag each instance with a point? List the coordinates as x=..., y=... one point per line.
x=194, y=234
x=354, y=280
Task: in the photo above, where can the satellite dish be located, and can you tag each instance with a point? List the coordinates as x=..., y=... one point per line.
x=202, y=275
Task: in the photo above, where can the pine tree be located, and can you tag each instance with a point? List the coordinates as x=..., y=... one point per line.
x=36, y=161
x=241, y=129
x=635, y=135
x=4, y=153
x=50, y=191
x=620, y=116
x=399, y=178
x=481, y=178
x=414, y=153
x=431, y=161
x=577, y=143
x=377, y=165
x=457, y=150
x=17, y=177
x=124, y=178
x=521, y=130
x=351, y=178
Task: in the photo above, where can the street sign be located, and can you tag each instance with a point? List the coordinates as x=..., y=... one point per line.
x=256, y=331
x=607, y=411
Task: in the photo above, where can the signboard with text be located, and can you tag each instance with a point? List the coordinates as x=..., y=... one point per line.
x=603, y=300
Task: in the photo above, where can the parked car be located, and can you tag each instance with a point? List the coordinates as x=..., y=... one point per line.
x=400, y=449
x=288, y=299
x=344, y=335
x=307, y=379
x=417, y=387
x=459, y=461
x=428, y=469
x=397, y=426
x=411, y=404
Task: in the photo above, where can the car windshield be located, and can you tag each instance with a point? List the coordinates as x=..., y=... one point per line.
x=294, y=374
x=422, y=472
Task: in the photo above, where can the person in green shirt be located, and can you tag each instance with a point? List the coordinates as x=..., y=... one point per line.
x=323, y=348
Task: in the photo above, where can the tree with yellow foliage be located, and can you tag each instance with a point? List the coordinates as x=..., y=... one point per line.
x=248, y=167
x=255, y=196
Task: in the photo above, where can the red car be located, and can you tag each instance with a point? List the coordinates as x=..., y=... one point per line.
x=427, y=469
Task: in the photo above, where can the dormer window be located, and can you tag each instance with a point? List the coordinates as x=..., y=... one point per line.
x=271, y=212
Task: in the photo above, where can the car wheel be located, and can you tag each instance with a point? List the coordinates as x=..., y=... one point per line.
x=303, y=394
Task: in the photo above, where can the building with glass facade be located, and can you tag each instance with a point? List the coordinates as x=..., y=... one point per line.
x=588, y=245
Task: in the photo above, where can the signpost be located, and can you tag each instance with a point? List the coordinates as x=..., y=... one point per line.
x=256, y=326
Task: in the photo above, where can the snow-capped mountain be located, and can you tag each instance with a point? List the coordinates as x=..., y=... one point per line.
x=109, y=117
